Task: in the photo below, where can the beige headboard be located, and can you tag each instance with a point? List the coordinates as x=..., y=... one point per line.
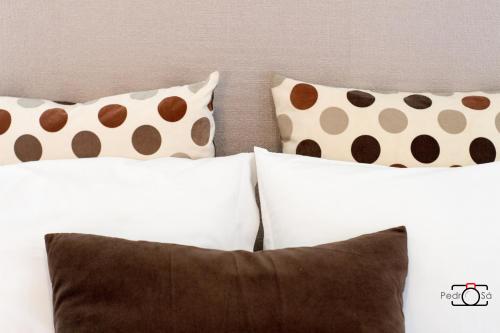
x=76, y=50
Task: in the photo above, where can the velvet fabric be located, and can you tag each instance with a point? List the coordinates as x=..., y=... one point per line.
x=103, y=284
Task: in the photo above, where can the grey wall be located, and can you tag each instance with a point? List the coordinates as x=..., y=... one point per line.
x=80, y=50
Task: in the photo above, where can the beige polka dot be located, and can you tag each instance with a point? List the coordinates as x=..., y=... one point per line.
x=143, y=95
x=146, y=140
x=28, y=148
x=195, y=87
x=180, y=155
x=200, y=132
x=393, y=120
x=277, y=80
x=30, y=102
x=334, y=120
x=497, y=122
x=86, y=144
x=452, y=121
x=285, y=126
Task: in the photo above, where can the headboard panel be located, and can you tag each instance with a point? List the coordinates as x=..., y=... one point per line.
x=79, y=50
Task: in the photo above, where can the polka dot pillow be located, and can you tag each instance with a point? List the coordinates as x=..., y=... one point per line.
x=176, y=122
x=393, y=129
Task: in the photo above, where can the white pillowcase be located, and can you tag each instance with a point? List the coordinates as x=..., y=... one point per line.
x=451, y=214
x=208, y=203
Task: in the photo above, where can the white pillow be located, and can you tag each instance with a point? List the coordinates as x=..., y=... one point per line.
x=452, y=217
x=208, y=203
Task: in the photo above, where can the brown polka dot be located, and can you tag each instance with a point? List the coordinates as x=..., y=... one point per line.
x=497, y=123
x=365, y=149
x=456, y=166
x=146, y=140
x=482, y=151
x=393, y=120
x=28, y=148
x=303, y=96
x=418, y=101
x=425, y=149
x=452, y=121
x=210, y=104
x=64, y=103
x=309, y=148
x=53, y=120
x=5, y=121
x=181, y=155
x=200, y=132
x=86, y=144
x=476, y=102
x=397, y=165
x=285, y=126
x=334, y=120
x=112, y=115
x=172, y=108
x=360, y=98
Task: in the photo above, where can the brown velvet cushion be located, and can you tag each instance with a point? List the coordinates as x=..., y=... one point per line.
x=112, y=285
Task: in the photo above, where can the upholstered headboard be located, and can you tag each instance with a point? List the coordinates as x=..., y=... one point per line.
x=77, y=50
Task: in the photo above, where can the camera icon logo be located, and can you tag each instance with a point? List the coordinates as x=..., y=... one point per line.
x=470, y=294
